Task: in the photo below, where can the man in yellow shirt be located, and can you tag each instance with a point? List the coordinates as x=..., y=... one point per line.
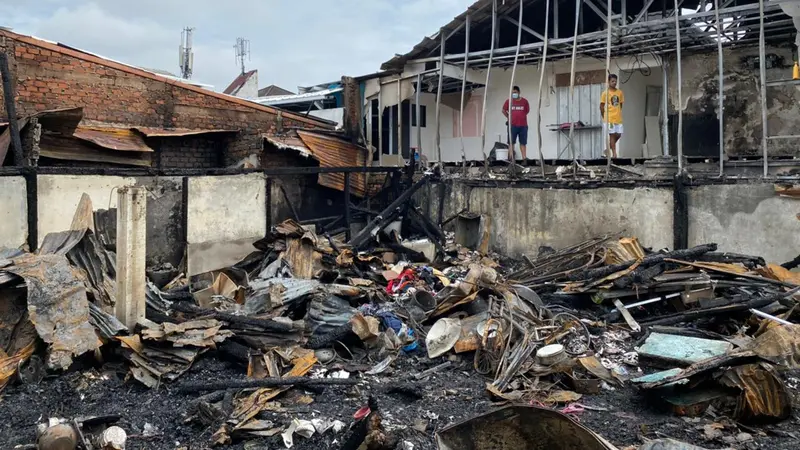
x=612, y=99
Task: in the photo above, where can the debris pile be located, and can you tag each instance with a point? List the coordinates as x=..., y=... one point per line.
x=306, y=316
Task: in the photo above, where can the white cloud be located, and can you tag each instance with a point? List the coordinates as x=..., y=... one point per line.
x=299, y=42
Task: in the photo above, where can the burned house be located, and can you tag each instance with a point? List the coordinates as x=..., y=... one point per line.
x=671, y=63
x=82, y=109
x=88, y=124
x=287, y=288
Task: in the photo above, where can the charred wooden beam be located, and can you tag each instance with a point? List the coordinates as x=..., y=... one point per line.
x=386, y=216
x=680, y=214
x=695, y=314
x=639, y=276
x=792, y=264
x=11, y=111
x=687, y=254
x=264, y=324
x=734, y=258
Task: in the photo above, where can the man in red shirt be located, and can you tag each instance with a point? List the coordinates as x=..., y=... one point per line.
x=519, y=122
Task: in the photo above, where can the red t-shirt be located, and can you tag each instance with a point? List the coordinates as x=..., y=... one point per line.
x=519, y=112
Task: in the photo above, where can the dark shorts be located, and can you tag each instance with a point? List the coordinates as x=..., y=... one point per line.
x=522, y=133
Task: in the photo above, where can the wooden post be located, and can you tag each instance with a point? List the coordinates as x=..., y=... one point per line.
x=11, y=111
x=347, y=204
x=463, y=88
x=486, y=88
x=400, y=115
x=439, y=99
x=542, y=68
x=380, y=123
x=131, y=240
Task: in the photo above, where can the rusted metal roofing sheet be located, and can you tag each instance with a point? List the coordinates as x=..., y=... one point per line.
x=62, y=120
x=334, y=152
x=120, y=139
x=69, y=148
x=289, y=142
x=177, y=132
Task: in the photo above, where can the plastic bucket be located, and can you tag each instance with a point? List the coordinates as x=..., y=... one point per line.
x=425, y=300
x=501, y=154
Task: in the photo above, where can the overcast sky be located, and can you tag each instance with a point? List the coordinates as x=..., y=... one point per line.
x=293, y=42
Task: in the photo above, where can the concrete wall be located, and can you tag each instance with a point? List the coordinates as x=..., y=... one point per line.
x=166, y=234
x=527, y=78
x=742, y=218
x=226, y=214
x=13, y=212
x=59, y=196
x=524, y=219
x=745, y=218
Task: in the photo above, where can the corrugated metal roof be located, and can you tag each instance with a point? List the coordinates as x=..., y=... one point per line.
x=297, y=98
x=334, y=152
x=120, y=139
x=177, y=132
x=289, y=142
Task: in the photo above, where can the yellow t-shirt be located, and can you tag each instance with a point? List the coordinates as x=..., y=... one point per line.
x=614, y=106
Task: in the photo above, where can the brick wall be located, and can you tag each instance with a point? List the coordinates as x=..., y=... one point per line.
x=188, y=152
x=50, y=78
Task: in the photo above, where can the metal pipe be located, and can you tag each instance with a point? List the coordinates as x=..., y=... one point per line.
x=419, y=115
x=606, y=132
x=439, y=100
x=763, y=75
x=486, y=87
x=380, y=125
x=770, y=317
x=368, y=132
x=680, y=92
x=593, y=36
x=624, y=13
x=555, y=20
x=542, y=71
x=399, y=118
x=665, y=107
x=463, y=88
x=572, y=86
x=721, y=92
x=512, y=154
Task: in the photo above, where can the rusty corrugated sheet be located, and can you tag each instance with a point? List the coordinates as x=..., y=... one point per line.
x=120, y=139
x=62, y=120
x=289, y=142
x=68, y=148
x=176, y=132
x=334, y=152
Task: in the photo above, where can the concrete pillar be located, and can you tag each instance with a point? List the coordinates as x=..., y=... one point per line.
x=131, y=237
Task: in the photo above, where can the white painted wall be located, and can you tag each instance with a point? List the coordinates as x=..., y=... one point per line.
x=226, y=214
x=527, y=78
x=334, y=115
x=250, y=87
x=635, y=89
x=13, y=212
x=58, y=196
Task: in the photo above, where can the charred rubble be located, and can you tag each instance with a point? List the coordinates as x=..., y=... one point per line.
x=704, y=336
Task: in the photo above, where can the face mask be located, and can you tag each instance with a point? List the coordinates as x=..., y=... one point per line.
x=514, y=95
